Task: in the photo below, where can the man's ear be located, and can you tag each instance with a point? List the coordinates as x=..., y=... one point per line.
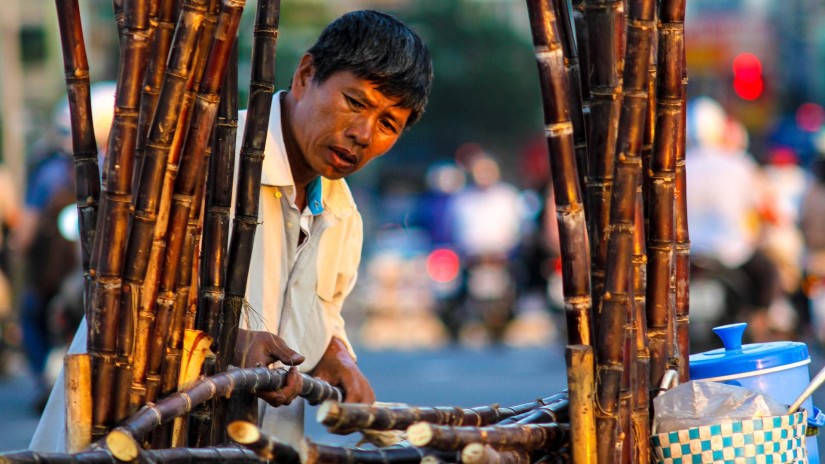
x=303, y=75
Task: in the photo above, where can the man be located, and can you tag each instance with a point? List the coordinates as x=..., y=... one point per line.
x=353, y=93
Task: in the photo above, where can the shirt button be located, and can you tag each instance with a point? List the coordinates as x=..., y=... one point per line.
x=277, y=194
x=317, y=205
x=288, y=225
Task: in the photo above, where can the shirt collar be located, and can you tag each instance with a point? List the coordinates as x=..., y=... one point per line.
x=322, y=193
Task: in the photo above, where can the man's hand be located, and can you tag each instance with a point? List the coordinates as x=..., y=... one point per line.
x=254, y=349
x=339, y=369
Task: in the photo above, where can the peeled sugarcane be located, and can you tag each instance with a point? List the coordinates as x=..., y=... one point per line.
x=661, y=245
x=104, y=320
x=616, y=304
x=230, y=455
x=245, y=222
x=315, y=453
x=344, y=418
x=84, y=145
x=559, y=132
x=581, y=384
x=252, y=438
x=515, y=436
x=476, y=453
x=78, y=387
x=604, y=36
x=640, y=394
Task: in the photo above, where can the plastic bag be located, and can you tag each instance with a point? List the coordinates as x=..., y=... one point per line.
x=697, y=403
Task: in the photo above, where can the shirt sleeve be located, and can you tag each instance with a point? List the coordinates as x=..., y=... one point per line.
x=334, y=289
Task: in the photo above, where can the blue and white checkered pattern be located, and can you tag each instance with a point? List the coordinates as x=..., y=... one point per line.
x=769, y=440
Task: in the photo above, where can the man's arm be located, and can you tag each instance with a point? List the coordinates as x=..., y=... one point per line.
x=338, y=367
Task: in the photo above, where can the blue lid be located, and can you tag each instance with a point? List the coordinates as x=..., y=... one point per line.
x=736, y=358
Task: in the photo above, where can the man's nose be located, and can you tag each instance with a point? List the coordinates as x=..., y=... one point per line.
x=360, y=130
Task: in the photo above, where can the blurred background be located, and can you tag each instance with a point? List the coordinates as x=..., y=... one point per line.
x=446, y=293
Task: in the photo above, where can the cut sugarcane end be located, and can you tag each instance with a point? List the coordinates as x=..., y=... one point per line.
x=243, y=432
x=420, y=434
x=472, y=453
x=122, y=445
x=328, y=411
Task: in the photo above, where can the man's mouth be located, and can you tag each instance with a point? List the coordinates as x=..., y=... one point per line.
x=343, y=159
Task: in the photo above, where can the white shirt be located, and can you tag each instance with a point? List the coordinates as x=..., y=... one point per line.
x=295, y=292
x=299, y=290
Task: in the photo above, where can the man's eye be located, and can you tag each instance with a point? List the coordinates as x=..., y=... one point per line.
x=389, y=126
x=354, y=103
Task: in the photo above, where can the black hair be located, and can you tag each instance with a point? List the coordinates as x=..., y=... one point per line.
x=379, y=48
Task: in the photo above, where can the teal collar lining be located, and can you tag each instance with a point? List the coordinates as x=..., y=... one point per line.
x=314, y=199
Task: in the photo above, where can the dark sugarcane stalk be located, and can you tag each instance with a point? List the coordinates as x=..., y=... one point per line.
x=316, y=453
x=602, y=18
x=230, y=455
x=662, y=237
x=617, y=301
x=166, y=21
x=682, y=243
x=265, y=447
x=220, y=175
x=244, y=224
x=105, y=322
x=576, y=107
x=210, y=283
x=344, y=418
x=640, y=418
x=84, y=145
x=148, y=382
x=650, y=125
x=150, y=416
x=476, y=453
x=515, y=436
x=191, y=173
x=159, y=145
x=559, y=132
x=147, y=314
x=554, y=411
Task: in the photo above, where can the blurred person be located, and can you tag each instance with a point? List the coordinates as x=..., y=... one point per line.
x=781, y=239
x=48, y=256
x=725, y=194
x=10, y=215
x=485, y=221
x=812, y=225
x=354, y=92
x=51, y=257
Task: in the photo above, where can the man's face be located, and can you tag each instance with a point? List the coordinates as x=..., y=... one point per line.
x=342, y=123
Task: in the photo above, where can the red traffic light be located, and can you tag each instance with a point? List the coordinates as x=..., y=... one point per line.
x=747, y=76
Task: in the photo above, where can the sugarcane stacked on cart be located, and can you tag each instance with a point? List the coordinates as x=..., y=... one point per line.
x=612, y=77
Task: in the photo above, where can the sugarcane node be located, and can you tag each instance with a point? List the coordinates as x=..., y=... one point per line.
x=243, y=432
x=420, y=434
x=122, y=445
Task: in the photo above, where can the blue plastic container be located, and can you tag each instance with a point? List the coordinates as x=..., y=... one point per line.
x=778, y=370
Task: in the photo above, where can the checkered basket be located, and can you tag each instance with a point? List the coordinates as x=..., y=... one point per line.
x=768, y=440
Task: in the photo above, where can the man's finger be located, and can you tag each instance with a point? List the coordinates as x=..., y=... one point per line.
x=280, y=351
